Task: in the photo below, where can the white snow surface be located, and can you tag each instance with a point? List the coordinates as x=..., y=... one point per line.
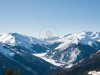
x=86, y=38
x=7, y=38
x=69, y=66
x=15, y=39
x=42, y=56
x=94, y=73
x=73, y=56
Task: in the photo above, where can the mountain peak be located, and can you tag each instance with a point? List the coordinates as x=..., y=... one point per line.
x=7, y=38
x=89, y=33
x=18, y=39
x=86, y=38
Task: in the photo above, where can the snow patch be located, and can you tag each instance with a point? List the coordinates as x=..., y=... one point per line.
x=42, y=56
x=94, y=73
x=11, y=54
x=69, y=66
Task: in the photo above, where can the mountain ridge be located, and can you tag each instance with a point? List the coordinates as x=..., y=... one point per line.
x=59, y=52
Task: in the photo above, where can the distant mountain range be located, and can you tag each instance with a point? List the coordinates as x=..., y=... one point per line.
x=72, y=54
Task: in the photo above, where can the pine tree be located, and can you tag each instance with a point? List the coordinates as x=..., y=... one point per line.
x=8, y=72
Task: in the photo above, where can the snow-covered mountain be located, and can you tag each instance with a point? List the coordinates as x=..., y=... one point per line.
x=89, y=66
x=23, y=42
x=75, y=47
x=16, y=54
x=47, y=55
x=18, y=39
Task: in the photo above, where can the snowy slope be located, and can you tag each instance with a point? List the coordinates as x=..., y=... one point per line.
x=68, y=50
x=6, y=51
x=94, y=73
x=42, y=56
x=19, y=40
x=75, y=47
x=86, y=38
x=23, y=61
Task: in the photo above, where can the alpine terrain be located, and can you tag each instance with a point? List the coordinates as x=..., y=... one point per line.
x=72, y=54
